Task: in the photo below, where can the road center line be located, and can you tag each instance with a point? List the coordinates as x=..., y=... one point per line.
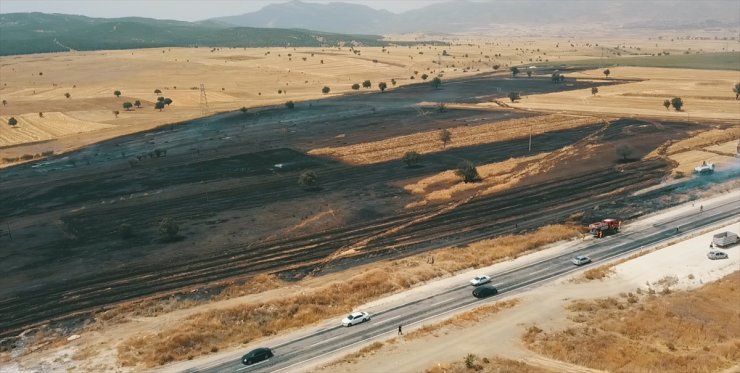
x=444, y=301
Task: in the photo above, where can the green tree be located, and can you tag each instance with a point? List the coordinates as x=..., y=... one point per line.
x=382, y=86
x=445, y=136
x=160, y=98
x=355, y=86
x=607, y=72
x=625, y=151
x=514, y=96
x=126, y=231
x=157, y=91
x=117, y=93
x=411, y=158
x=594, y=90
x=159, y=105
x=289, y=104
x=677, y=103
x=168, y=229
x=467, y=172
x=127, y=105
x=167, y=101
x=308, y=180
x=366, y=84
x=667, y=104
x=12, y=121
x=514, y=71
x=736, y=89
x=325, y=90
x=436, y=82
x=137, y=103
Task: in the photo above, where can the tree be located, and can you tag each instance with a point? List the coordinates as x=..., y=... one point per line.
x=442, y=107
x=382, y=86
x=436, y=82
x=126, y=231
x=5, y=102
x=393, y=81
x=159, y=105
x=157, y=91
x=127, y=105
x=355, y=86
x=677, y=103
x=467, y=172
x=607, y=72
x=137, y=103
x=308, y=180
x=594, y=90
x=167, y=101
x=411, y=158
x=366, y=84
x=117, y=93
x=168, y=229
x=160, y=98
x=424, y=76
x=289, y=104
x=445, y=136
x=41, y=114
x=529, y=73
x=325, y=90
x=12, y=121
x=116, y=112
x=514, y=71
x=514, y=96
x=735, y=89
x=496, y=66
x=67, y=95
x=667, y=104
x=243, y=109
x=625, y=152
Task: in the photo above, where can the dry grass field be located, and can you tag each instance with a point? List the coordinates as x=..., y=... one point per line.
x=485, y=365
x=694, y=331
x=429, y=142
x=707, y=94
x=255, y=77
x=207, y=332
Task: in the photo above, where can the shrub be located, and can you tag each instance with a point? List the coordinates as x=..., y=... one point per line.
x=168, y=229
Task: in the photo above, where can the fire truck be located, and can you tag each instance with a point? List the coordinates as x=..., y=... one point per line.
x=604, y=227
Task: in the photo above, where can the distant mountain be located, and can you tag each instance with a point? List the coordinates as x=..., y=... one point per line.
x=23, y=33
x=466, y=15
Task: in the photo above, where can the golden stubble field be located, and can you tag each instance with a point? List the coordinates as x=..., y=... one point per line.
x=33, y=87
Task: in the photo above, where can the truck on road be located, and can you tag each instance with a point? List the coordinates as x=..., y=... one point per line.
x=604, y=227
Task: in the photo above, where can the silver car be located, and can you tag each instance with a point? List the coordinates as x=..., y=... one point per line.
x=580, y=260
x=716, y=254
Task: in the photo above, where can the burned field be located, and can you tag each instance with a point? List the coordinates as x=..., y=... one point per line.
x=230, y=183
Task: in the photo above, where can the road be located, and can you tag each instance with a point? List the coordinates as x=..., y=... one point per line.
x=291, y=355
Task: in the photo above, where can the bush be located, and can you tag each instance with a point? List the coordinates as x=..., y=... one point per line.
x=308, y=180
x=468, y=172
x=325, y=90
x=168, y=229
x=411, y=158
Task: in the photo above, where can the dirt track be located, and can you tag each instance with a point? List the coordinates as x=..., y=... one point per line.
x=236, y=207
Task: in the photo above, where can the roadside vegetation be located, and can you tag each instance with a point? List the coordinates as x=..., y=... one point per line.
x=690, y=331
x=473, y=363
x=209, y=331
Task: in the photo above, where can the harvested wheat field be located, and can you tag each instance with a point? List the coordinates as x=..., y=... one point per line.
x=707, y=94
x=429, y=142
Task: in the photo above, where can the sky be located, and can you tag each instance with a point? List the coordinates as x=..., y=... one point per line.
x=183, y=10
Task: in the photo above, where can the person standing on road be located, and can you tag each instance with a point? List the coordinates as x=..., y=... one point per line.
x=400, y=332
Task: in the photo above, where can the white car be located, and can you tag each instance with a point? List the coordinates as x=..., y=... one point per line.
x=581, y=260
x=715, y=254
x=355, y=318
x=480, y=280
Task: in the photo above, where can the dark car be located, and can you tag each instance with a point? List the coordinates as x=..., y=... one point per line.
x=484, y=291
x=257, y=355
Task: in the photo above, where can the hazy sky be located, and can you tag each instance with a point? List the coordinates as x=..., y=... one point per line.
x=185, y=10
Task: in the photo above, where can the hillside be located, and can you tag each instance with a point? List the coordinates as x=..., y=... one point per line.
x=24, y=33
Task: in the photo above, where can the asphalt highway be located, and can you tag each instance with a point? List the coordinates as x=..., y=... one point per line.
x=291, y=355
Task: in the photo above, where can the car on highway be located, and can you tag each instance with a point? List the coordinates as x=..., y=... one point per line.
x=257, y=355
x=580, y=260
x=480, y=280
x=716, y=254
x=484, y=291
x=356, y=318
